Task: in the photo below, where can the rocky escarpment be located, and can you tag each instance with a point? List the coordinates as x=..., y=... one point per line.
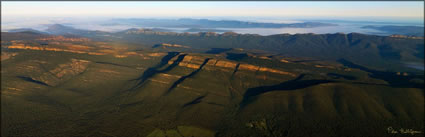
x=5, y=55
x=195, y=62
x=63, y=72
x=72, y=48
x=83, y=49
x=164, y=45
x=152, y=71
x=180, y=80
x=62, y=38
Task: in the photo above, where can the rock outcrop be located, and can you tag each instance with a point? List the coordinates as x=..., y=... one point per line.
x=248, y=67
x=171, y=45
x=80, y=49
x=5, y=55
x=63, y=72
x=194, y=62
x=225, y=64
x=23, y=46
x=156, y=54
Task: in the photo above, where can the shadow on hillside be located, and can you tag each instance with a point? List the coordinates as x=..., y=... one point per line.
x=294, y=84
x=150, y=72
x=394, y=80
x=218, y=50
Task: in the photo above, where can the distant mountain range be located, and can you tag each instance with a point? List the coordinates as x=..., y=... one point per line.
x=26, y=30
x=59, y=29
x=403, y=30
x=205, y=30
x=192, y=25
x=206, y=23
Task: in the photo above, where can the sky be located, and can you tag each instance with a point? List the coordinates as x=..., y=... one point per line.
x=218, y=8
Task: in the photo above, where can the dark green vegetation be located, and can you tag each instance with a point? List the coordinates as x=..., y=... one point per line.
x=223, y=85
x=27, y=30
x=402, y=30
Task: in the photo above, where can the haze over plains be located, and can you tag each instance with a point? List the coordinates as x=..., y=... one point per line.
x=88, y=15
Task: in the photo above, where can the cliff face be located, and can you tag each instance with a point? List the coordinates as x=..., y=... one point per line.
x=70, y=48
x=195, y=62
x=170, y=45
x=82, y=49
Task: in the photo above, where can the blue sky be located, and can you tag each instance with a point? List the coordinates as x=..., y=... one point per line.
x=238, y=8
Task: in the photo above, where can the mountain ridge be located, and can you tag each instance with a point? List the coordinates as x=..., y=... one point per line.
x=207, y=23
x=371, y=50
